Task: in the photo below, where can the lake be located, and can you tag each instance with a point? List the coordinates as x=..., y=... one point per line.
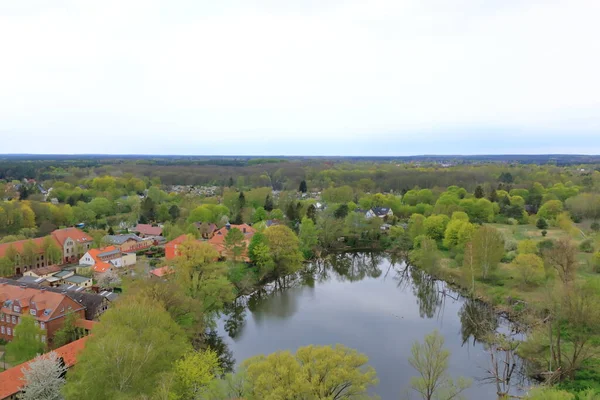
x=370, y=303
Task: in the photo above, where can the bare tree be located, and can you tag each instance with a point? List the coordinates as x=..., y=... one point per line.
x=563, y=258
x=503, y=363
x=109, y=278
x=44, y=378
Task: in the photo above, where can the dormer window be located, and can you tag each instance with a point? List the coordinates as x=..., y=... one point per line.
x=33, y=312
x=17, y=309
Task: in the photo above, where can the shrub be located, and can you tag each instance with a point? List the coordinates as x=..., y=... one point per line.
x=595, y=226
x=544, y=233
x=510, y=245
x=509, y=257
x=587, y=246
x=545, y=244
x=596, y=262
x=541, y=223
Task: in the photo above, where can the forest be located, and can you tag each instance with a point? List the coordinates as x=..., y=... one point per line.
x=520, y=233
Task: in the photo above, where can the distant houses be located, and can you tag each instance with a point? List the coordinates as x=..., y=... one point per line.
x=379, y=212
x=106, y=259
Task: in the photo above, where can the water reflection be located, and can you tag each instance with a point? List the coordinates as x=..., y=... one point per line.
x=377, y=305
x=215, y=342
x=478, y=321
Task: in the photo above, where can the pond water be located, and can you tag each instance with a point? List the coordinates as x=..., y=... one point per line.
x=370, y=303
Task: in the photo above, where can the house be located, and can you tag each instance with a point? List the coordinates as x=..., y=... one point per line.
x=144, y=230
x=11, y=380
x=130, y=242
x=162, y=272
x=94, y=304
x=383, y=212
x=73, y=242
x=171, y=247
x=218, y=240
x=68, y=277
x=18, y=246
x=103, y=260
x=48, y=308
x=43, y=272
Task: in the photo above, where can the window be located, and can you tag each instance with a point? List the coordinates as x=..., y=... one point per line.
x=32, y=312
x=14, y=320
x=43, y=338
x=42, y=257
x=1, y=317
x=2, y=329
x=8, y=332
x=42, y=325
x=17, y=309
x=67, y=251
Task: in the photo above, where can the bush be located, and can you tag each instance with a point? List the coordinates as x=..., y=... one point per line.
x=541, y=223
x=544, y=233
x=509, y=257
x=545, y=244
x=587, y=246
x=595, y=226
x=596, y=262
x=510, y=245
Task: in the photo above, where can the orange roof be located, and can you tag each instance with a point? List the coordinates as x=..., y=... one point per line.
x=19, y=244
x=102, y=266
x=11, y=380
x=162, y=271
x=85, y=324
x=79, y=236
x=218, y=240
x=42, y=300
x=178, y=240
x=94, y=253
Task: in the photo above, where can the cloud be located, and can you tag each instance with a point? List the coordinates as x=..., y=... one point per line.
x=278, y=77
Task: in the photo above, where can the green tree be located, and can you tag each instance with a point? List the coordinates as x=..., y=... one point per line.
x=311, y=212
x=69, y=332
x=260, y=214
x=550, y=209
x=303, y=188
x=314, y=372
x=269, y=203
x=426, y=255
x=527, y=247
x=201, y=277
x=431, y=359
x=235, y=243
x=30, y=252
x=135, y=344
x=26, y=343
x=284, y=247
x=7, y=267
x=51, y=250
x=341, y=212
x=174, y=212
x=309, y=237
x=479, y=193
x=530, y=268
x=435, y=226
x=488, y=249
x=148, y=209
x=541, y=223
x=416, y=225
x=192, y=375
x=562, y=256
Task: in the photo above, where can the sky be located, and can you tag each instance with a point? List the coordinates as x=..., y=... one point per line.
x=301, y=77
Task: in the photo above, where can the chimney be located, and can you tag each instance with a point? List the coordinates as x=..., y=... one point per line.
x=228, y=226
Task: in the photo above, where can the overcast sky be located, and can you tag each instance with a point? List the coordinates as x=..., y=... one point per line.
x=300, y=77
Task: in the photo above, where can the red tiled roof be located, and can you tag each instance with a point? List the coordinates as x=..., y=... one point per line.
x=27, y=297
x=18, y=245
x=147, y=229
x=178, y=240
x=11, y=380
x=79, y=236
x=162, y=271
x=85, y=324
x=94, y=253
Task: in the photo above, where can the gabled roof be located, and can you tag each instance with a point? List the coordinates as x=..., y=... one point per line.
x=19, y=244
x=381, y=210
x=31, y=279
x=147, y=229
x=178, y=240
x=53, y=304
x=11, y=380
x=101, y=267
x=79, y=236
x=120, y=239
x=91, y=301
